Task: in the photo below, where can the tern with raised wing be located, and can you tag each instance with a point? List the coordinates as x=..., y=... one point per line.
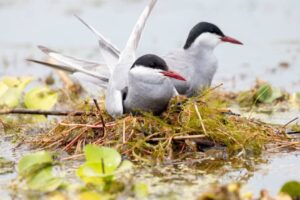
x=195, y=60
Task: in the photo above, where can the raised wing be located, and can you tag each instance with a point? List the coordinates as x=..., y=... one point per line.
x=128, y=54
x=109, y=51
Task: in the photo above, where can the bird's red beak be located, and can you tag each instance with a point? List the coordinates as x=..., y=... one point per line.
x=173, y=74
x=230, y=40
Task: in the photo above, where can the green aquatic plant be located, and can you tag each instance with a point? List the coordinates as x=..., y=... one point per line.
x=101, y=174
x=292, y=188
x=101, y=166
x=262, y=93
x=37, y=171
x=13, y=94
x=41, y=98
x=11, y=90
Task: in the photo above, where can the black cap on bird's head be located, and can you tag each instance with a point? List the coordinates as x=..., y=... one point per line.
x=151, y=61
x=155, y=62
x=206, y=27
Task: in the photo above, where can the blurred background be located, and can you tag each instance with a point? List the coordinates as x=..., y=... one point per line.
x=270, y=30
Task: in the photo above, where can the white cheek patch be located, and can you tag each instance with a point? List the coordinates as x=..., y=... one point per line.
x=146, y=73
x=208, y=39
x=141, y=70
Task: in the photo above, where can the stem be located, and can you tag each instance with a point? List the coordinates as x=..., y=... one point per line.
x=45, y=112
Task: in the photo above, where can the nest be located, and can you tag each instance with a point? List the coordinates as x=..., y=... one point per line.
x=185, y=129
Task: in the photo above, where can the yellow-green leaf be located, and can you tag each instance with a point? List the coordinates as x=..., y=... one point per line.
x=93, y=173
x=291, y=188
x=19, y=83
x=110, y=157
x=40, y=98
x=44, y=181
x=11, y=89
x=32, y=162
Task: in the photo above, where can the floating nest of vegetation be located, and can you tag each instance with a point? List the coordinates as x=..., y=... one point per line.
x=188, y=127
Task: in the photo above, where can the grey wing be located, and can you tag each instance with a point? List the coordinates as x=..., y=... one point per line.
x=79, y=65
x=128, y=54
x=179, y=64
x=109, y=51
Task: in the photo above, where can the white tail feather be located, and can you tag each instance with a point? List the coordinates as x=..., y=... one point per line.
x=109, y=51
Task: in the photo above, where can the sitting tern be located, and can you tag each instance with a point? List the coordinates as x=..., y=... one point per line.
x=149, y=87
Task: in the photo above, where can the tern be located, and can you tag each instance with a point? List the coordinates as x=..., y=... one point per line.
x=132, y=84
x=149, y=87
x=195, y=60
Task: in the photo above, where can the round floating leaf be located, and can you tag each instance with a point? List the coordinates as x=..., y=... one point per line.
x=11, y=98
x=268, y=94
x=264, y=93
x=110, y=158
x=11, y=89
x=19, y=83
x=93, y=173
x=44, y=181
x=32, y=162
x=291, y=188
x=40, y=98
x=276, y=94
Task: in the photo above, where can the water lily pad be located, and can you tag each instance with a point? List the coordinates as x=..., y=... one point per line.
x=291, y=188
x=268, y=94
x=20, y=83
x=40, y=98
x=44, y=181
x=110, y=157
x=264, y=93
x=11, y=89
x=93, y=173
x=32, y=162
x=11, y=98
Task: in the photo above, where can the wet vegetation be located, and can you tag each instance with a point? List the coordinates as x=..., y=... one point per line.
x=201, y=133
